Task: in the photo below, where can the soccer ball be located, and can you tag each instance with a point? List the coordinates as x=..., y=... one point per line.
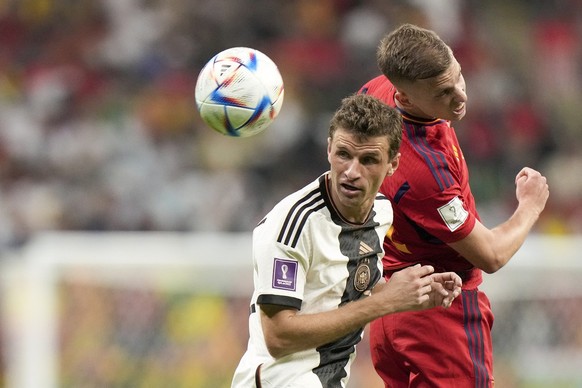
x=239, y=92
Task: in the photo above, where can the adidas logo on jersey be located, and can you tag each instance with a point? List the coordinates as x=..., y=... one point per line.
x=364, y=248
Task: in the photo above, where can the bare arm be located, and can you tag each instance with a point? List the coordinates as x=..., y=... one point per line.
x=491, y=249
x=286, y=331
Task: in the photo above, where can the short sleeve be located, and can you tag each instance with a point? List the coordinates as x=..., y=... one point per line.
x=280, y=271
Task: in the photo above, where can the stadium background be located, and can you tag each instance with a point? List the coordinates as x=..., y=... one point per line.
x=99, y=135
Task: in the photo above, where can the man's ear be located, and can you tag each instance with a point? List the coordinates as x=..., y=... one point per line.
x=393, y=165
x=402, y=99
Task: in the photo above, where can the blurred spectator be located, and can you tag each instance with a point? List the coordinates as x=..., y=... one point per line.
x=98, y=129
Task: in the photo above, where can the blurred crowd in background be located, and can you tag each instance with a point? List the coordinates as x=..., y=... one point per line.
x=99, y=130
x=144, y=338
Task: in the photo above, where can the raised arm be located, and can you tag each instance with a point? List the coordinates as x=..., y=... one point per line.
x=491, y=249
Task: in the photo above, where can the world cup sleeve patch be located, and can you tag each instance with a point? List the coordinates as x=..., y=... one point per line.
x=453, y=213
x=285, y=274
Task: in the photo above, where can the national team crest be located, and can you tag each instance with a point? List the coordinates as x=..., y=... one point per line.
x=362, y=277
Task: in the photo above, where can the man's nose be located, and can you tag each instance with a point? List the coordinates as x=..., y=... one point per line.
x=353, y=170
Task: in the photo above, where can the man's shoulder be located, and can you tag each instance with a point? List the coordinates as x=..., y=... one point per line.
x=381, y=88
x=290, y=215
x=423, y=172
x=382, y=203
x=306, y=195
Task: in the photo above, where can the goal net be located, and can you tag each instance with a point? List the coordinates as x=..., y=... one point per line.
x=171, y=310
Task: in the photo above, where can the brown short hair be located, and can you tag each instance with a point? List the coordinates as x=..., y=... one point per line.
x=410, y=53
x=366, y=116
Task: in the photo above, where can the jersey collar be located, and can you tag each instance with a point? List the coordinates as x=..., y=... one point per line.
x=418, y=120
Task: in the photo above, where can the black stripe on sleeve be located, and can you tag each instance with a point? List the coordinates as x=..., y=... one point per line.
x=280, y=300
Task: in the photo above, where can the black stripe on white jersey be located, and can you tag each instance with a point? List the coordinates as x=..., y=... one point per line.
x=297, y=216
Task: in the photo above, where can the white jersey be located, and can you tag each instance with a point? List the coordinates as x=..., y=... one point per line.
x=307, y=257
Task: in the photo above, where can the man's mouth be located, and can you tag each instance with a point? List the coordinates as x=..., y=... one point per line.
x=459, y=110
x=349, y=189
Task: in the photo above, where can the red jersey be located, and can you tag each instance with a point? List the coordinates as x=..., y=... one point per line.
x=430, y=193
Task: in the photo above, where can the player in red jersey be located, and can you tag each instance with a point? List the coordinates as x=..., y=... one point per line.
x=436, y=222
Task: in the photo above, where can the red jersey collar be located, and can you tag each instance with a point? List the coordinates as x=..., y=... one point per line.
x=418, y=120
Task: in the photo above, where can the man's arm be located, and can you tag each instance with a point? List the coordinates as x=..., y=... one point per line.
x=491, y=249
x=414, y=288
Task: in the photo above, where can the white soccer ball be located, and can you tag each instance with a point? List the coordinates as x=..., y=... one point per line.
x=239, y=92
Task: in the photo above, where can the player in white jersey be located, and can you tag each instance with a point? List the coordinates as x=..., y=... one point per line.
x=317, y=259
